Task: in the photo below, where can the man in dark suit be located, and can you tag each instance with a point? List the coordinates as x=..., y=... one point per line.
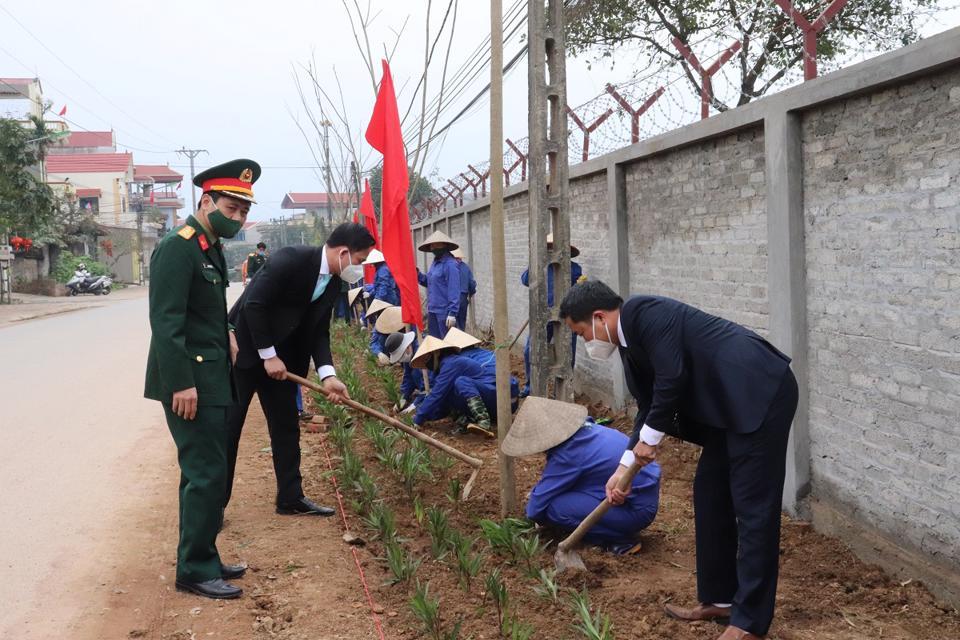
x=281, y=321
x=713, y=382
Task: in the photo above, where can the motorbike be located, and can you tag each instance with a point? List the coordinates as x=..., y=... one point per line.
x=83, y=282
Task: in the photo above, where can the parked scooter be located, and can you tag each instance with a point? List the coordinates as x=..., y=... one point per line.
x=83, y=282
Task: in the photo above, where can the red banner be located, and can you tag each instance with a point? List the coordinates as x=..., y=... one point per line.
x=384, y=135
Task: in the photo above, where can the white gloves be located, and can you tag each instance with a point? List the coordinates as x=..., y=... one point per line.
x=366, y=294
x=451, y=321
x=382, y=359
x=410, y=409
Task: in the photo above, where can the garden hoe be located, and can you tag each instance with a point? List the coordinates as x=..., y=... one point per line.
x=476, y=463
x=566, y=557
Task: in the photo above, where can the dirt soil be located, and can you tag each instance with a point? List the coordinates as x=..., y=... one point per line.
x=303, y=581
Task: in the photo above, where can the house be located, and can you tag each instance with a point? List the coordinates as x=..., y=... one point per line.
x=106, y=184
x=156, y=188
x=85, y=142
x=333, y=206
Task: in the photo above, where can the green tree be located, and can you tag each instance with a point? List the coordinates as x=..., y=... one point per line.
x=27, y=205
x=420, y=188
x=771, y=43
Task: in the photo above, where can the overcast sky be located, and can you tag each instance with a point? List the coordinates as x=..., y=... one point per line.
x=218, y=75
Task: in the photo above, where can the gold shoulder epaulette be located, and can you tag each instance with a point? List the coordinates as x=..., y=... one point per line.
x=582, y=279
x=251, y=255
x=186, y=232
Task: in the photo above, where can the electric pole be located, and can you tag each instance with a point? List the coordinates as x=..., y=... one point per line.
x=191, y=153
x=326, y=124
x=508, y=489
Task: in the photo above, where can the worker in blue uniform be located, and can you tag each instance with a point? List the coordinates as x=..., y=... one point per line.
x=376, y=338
x=399, y=348
x=460, y=386
x=468, y=288
x=384, y=287
x=469, y=347
x=581, y=455
x=576, y=275
x=443, y=284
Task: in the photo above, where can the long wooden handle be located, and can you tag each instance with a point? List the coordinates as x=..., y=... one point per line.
x=393, y=422
x=625, y=481
x=519, y=333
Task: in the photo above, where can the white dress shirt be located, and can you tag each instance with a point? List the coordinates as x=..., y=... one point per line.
x=648, y=434
x=326, y=371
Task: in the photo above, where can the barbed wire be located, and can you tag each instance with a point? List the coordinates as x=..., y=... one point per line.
x=674, y=101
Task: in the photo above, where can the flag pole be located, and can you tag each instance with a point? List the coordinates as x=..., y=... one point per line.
x=508, y=488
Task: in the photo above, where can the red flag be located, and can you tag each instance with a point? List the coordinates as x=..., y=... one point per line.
x=63, y=111
x=152, y=200
x=370, y=222
x=384, y=135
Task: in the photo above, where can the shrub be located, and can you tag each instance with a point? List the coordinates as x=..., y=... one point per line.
x=67, y=264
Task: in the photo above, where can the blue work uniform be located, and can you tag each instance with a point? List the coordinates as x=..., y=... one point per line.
x=468, y=287
x=443, y=293
x=573, y=484
x=384, y=287
x=575, y=273
x=412, y=381
x=459, y=377
x=485, y=358
x=376, y=341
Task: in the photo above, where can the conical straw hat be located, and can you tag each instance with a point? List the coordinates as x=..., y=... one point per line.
x=457, y=253
x=390, y=321
x=430, y=346
x=460, y=339
x=574, y=252
x=542, y=424
x=353, y=293
x=438, y=236
x=377, y=306
x=374, y=257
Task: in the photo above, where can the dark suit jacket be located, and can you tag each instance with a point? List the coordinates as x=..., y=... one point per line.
x=275, y=310
x=689, y=370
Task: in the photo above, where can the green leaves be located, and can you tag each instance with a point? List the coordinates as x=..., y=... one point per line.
x=27, y=205
x=596, y=626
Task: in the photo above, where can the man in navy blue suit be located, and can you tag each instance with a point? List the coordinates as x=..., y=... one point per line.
x=715, y=383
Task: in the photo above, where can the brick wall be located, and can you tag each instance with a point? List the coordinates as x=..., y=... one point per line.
x=883, y=271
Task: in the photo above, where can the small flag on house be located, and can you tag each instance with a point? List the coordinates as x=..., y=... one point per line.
x=63, y=111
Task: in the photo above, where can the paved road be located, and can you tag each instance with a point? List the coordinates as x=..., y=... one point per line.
x=81, y=448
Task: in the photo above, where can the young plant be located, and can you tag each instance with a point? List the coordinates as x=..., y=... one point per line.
x=526, y=551
x=504, y=538
x=455, y=492
x=427, y=611
x=411, y=467
x=366, y=490
x=419, y=512
x=468, y=563
x=438, y=526
x=497, y=591
x=548, y=587
x=384, y=445
x=596, y=626
x=351, y=468
x=382, y=520
x=443, y=463
x=402, y=567
x=514, y=629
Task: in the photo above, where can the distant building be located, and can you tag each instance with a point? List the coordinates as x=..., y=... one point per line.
x=315, y=205
x=157, y=189
x=85, y=142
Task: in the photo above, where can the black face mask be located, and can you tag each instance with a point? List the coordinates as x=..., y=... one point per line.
x=438, y=253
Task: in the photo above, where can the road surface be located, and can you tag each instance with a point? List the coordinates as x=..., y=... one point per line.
x=81, y=448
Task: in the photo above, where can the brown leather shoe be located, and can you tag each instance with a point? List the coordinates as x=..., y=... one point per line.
x=700, y=612
x=736, y=633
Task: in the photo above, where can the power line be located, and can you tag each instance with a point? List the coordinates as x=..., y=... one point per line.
x=74, y=71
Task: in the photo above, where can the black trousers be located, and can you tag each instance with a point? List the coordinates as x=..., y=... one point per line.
x=737, y=497
x=279, y=401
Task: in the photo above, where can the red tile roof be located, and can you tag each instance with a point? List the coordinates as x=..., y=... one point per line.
x=156, y=172
x=89, y=193
x=313, y=200
x=89, y=163
x=88, y=139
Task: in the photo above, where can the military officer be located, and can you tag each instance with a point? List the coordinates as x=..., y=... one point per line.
x=188, y=366
x=255, y=261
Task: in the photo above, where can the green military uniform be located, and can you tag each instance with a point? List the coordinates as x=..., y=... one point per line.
x=190, y=347
x=254, y=262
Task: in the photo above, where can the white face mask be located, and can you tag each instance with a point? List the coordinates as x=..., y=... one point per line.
x=352, y=272
x=598, y=349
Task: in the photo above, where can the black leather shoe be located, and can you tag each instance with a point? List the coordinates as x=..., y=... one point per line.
x=216, y=589
x=232, y=571
x=304, y=507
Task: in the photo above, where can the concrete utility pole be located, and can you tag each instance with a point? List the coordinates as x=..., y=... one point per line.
x=548, y=202
x=326, y=124
x=508, y=485
x=191, y=153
